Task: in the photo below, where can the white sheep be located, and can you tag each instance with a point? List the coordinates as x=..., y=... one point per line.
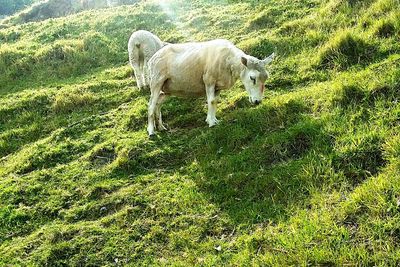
x=142, y=46
x=203, y=68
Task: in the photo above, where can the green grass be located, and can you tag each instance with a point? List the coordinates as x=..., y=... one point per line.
x=309, y=177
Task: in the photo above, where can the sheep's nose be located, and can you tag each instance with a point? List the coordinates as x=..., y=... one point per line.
x=257, y=102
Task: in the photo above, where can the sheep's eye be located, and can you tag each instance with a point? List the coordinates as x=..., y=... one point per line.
x=253, y=79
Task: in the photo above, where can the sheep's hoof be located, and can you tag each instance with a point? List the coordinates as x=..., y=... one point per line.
x=162, y=128
x=212, y=122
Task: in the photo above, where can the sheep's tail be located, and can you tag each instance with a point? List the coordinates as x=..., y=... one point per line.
x=136, y=55
x=140, y=54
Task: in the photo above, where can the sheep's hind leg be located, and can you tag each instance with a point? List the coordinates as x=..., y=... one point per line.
x=154, y=99
x=138, y=77
x=146, y=79
x=160, y=125
x=145, y=85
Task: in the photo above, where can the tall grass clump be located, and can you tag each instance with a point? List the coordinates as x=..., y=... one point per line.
x=360, y=157
x=257, y=47
x=59, y=59
x=385, y=28
x=353, y=3
x=345, y=49
x=350, y=95
x=261, y=21
x=70, y=100
x=11, y=61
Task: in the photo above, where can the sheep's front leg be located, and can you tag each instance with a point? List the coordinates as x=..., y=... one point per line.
x=212, y=106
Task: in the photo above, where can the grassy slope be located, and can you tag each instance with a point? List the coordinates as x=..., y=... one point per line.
x=309, y=177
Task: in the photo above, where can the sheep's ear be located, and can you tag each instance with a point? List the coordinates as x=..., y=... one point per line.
x=268, y=59
x=244, y=61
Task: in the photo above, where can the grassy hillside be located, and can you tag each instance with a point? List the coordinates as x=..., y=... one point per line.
x=47, y=9
x=10, y=7
x=309, y=177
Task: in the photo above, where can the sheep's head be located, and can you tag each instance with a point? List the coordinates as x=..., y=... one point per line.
x=254, y=76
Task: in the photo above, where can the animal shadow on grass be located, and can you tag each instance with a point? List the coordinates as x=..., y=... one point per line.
x=252, y=166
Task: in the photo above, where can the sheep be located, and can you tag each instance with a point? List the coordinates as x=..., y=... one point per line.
x=202, y=68
x=142, y=46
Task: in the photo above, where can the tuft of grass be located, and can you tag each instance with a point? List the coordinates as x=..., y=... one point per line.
x=359, y=2
x=350, y=94
x=67, y=101
x=385, y=28
x=362, y=157
x=263, y=21
x=344, y=50
x=258, y=47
